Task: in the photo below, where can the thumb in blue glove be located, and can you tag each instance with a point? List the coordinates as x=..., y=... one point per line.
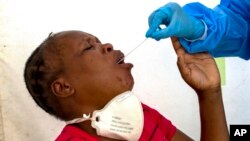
x=177, y=23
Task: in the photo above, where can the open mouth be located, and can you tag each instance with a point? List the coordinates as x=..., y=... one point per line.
x=120, y=60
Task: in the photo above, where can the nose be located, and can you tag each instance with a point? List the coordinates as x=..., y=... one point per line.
x=107, y=48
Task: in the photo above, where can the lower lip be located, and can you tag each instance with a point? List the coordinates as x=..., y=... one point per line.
x=127, y=65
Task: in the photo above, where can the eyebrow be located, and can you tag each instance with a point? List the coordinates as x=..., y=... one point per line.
x=97, y=40
x=88, y=39
x=94, y=38
x=83, y=44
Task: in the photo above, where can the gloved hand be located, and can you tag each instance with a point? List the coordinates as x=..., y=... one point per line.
x=177, y=23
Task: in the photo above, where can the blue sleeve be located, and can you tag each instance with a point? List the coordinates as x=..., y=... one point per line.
x=228, y=31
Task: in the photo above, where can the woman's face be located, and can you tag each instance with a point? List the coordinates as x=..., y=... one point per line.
x=92, y=69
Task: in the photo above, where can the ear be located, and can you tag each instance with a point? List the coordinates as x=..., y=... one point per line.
x=61, y=88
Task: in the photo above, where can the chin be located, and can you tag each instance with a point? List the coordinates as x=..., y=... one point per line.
x=126, y=86
x=129, y=85
x=131, y=82
x=124, y=83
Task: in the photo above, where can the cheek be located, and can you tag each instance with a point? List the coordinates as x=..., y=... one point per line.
x=116, y=82
x=94, y=66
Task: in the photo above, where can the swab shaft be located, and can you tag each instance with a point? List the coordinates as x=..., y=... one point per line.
x=132, y=50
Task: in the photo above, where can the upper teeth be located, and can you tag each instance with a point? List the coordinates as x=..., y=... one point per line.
x=120, y=60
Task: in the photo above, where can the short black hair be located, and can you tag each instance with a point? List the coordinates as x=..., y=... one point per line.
x=41, y=69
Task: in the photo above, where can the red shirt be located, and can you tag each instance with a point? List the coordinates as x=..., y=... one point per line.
x=156, y=128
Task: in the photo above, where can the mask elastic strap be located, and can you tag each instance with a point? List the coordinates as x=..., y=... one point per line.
x=78, y=120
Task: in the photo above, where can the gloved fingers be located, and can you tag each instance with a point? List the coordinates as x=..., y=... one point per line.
x=155, y=20
x=161, y=34
x=173, y=6
x=169, y=31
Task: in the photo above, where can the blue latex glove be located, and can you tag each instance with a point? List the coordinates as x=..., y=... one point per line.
x=177, y=23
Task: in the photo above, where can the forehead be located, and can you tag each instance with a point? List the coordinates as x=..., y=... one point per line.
x=73, y=36
x=66, y=43
x=69, y=41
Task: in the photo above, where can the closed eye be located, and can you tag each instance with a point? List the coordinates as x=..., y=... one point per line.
x=89, y=48
x=86, y=49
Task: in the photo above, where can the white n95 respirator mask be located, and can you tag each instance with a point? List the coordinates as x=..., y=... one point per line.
x=121, y=118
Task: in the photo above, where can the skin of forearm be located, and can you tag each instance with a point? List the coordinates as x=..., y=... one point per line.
x=212, y=115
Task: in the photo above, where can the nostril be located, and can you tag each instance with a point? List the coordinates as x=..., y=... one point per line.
x=109, y=49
